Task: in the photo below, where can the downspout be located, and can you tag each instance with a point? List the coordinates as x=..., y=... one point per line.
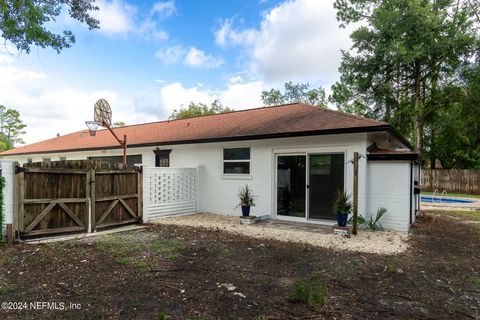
x=411, y=184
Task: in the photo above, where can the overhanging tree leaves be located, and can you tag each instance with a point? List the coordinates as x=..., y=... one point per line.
x=299, y=92
x=22, y=22
x=199, y=109
x=403, y=55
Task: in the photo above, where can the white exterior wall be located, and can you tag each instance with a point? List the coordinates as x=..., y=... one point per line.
x=389, y=187
x=218, y=191
x=8, y=196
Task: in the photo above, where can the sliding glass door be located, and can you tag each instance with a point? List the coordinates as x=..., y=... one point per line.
x=291, y=183
x=313, y=182
x=326, y=176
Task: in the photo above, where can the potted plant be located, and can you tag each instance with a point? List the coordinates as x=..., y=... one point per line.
x=246, y=200
x=342, y=207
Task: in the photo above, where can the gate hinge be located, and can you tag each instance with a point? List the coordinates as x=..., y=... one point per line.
x=19, y=169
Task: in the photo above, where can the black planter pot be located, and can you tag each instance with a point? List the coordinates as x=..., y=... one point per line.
x=245, y=211
x=342, y=220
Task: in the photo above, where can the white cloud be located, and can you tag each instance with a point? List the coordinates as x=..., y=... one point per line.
x=119, y=18
x=199, y=59
x=116, y=17
x=174, y=96
x=171, y=55
x=191, y=57
x=149, y=27
x=228, y=36
x=164, y=8
x=297, y=40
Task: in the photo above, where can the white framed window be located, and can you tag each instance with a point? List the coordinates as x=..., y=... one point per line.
x=236, y=160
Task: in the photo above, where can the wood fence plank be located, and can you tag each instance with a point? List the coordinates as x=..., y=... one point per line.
x=110, y=198
x=64, y=200
x=107, y=212
x=56, y=230
x=40, y=216
x=111, y=224
x=88, y=204
x=93, y=199
x=125, y=205
x=454, y=181
x=140, y=195
x=21, y=196
x=71, y=214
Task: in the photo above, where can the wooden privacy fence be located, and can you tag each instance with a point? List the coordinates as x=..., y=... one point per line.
x=454, y=181
x=76, y=196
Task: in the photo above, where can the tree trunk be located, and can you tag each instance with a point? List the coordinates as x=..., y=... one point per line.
x=418, y=111
x=432, y=149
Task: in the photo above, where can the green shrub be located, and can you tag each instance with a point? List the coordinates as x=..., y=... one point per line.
x=373, y=223
x=310, y=291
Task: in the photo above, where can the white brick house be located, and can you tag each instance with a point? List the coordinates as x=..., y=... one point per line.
x=292, y=156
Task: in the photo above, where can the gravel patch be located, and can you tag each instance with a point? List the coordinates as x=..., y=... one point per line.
x=385, y=242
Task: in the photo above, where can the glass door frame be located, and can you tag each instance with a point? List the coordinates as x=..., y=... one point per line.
x=307, y=155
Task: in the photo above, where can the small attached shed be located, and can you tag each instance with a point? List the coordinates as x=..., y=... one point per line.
x=393, y=183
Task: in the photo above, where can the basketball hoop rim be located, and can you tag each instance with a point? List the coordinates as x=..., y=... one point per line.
x=92, y=127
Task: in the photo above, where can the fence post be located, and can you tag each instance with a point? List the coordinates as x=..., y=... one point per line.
x=93, y=202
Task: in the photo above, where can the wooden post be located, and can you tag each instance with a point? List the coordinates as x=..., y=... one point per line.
x=16, y=227
x=93, y=201
x=10, y=233
x=355, y=192
x=21, y=205
x=88, y=206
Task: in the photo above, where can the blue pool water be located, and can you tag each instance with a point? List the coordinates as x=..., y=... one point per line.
x=445, y=200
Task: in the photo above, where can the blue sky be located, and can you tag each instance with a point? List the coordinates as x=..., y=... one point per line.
x=150, y=57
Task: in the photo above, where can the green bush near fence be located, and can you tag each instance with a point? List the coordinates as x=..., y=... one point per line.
x=2, y=210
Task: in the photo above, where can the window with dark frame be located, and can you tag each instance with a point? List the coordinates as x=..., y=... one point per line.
x=29, y=160
x=162, y=157
x=236, y=160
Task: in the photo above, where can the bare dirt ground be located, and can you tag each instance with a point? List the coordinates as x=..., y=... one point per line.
x=179, y=272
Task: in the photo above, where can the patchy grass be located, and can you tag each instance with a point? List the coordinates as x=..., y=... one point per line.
x=122, y=260
x=469, y=214
x=458, y=195
x=310, y=291
x=475, y=282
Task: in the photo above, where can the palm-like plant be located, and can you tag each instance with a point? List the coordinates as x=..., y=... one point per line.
x=247, y=198
x=374, y=222
x=341, y=203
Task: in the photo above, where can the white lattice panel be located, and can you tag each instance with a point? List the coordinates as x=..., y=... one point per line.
x=169, y=191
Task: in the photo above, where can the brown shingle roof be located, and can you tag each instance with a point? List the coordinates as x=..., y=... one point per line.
x=260, y=123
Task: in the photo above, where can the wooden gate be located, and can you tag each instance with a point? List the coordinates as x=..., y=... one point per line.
x=76, y=196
